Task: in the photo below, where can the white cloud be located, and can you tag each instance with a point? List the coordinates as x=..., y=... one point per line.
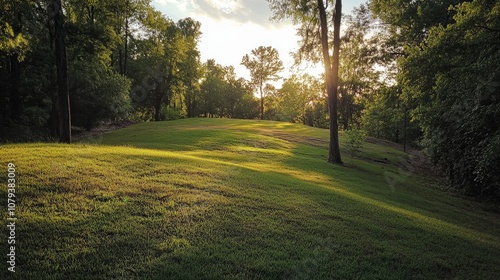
x=227, y=41
x=256, y=11
x=232, y=28
x=226, y=6
x=183, y=6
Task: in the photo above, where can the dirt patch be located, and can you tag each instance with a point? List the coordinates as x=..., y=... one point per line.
x=419, y=163
x=83, y=134
x=385, y=161
x=383, y=142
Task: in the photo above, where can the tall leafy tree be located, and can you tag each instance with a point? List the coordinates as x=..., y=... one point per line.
x=14, y=44
x=223, y=94
x=264, y=65
x=213, y=89
x=294, y=98
x=314, y=19
x=409, y=22
x=453, y=79
x=97, y=93
x=383, y=116
x=357, y=66
x=62, y=74
x=190, y=68
x=158, y=59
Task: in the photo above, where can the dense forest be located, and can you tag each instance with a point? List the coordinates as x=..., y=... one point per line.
x=421, y=73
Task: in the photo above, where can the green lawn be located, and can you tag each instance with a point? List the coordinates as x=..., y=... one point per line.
x=235, y=199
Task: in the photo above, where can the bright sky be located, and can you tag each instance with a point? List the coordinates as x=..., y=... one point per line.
x=232, y=28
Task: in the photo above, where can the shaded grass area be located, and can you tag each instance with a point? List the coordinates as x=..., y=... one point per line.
x=234, y=199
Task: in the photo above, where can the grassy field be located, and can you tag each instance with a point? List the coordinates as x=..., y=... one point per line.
x=235, y=199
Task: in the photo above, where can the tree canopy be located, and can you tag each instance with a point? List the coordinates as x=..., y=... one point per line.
x=264, y=65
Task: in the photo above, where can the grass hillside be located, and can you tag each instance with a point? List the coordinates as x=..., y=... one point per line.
x=235, y=199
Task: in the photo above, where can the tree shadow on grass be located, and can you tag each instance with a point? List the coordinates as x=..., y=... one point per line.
x=290, y=220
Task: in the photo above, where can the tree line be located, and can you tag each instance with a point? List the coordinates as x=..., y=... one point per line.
x=420, y=73
x=123, y=59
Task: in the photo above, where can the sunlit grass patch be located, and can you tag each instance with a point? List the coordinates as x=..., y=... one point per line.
x=238, y=199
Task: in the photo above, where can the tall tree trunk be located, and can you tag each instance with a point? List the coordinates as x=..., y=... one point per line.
x=193, y=108
x=181, y=102
x=397, y=123
x=15, y=73
x=261, y=103
x=53, y=123
x=405, y=124
x=15, y=77
x=345, y=109
x=120, y=60
x=62, y=75
x=126, y=46
x=331, y=73
x=188, y=106
x=334, y=128
x=4, y=94
x=54, y=118
x=157, y=107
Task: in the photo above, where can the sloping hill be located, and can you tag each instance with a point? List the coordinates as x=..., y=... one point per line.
x=235, y=199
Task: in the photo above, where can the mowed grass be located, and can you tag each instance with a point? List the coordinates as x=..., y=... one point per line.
x=235, y=199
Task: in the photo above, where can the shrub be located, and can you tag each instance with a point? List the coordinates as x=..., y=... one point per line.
x=168, y=113
x=355, y=140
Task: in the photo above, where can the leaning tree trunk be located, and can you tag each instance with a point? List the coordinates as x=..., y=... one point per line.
x=62, y=75
x=331, y=73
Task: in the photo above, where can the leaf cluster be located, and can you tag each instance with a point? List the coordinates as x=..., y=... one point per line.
x=452, y=77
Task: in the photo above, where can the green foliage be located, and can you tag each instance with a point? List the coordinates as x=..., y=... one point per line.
x=11, y=42
x=97, y=94
x=35, y=116
x=448, y=72
x=410, y=21
x=305, y=15
x=247, y=106
x=386, y=116
x=15, y=30
x=224, y=95
x=165, y=65
x=317, y=114
x=297, y=95
x=383, y=116
x=169, y=113
x=191, y=68
x=355, y=138
x=109, y=44
x=264, y=65
x=239, y=100
x=213, y=88
x=453, y=80
x=359, y=76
